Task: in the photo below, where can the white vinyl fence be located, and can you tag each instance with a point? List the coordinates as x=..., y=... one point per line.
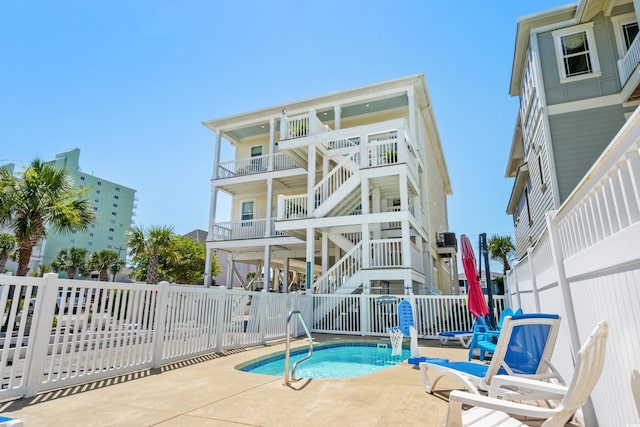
x=586, y=267
x=59, y=333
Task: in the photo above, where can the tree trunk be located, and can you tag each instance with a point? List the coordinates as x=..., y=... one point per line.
x=152, y=270
x=3, y=263
x=23, y=258
x=71, y=273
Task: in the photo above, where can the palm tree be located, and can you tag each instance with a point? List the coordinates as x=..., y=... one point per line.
x=501, y=248
x=103, y=261
x=115, y=268
x=7, y=246
x=38, y=197
x=156, y=242
x=72, y=260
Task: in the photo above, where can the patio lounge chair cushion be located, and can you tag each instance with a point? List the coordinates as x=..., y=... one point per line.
x=524, y=348
x=496, y=412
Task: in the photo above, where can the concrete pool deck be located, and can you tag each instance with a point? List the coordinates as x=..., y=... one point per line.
x=209, y=391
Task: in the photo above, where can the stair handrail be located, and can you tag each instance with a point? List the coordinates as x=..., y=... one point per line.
x=354, y=254
x=346, y=167
x=287, y=355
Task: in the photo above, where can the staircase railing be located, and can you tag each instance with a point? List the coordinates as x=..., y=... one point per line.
x=340, y=272
x=338, y=176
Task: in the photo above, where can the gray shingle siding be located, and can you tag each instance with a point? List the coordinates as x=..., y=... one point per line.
x=578, y=140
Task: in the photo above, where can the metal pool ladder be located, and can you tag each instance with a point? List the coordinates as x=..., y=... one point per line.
x=287, y=354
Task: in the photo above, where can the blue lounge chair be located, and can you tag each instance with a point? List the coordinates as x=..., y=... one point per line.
x=485, y=339
x=463, y=337
x=524, y=349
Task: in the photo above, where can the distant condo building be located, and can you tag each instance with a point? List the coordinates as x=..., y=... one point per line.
x=113, y=203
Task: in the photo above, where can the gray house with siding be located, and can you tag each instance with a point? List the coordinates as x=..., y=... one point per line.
x=575, y=73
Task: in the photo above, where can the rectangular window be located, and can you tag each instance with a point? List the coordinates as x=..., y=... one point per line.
x=90, y=234
x=526, y=199
x=540, y=170
x=625, y=28
x=576, y=52
x=115, y=205
x=111, y=230
x=99, y=182
x=82, y=178
x=247, y=213
x=256, y=164
x=110, y=237
x=114, y=213
x=117, y=188
x=629, y=32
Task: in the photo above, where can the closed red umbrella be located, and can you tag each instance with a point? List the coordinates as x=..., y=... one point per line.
x=475, y=298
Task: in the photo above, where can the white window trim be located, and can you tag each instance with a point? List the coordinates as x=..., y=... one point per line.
x=618, y=21
x=593, y=52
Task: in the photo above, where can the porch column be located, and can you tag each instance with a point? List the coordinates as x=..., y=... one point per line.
x=267, y=228
x=266, y=280
x=312, y=122
x=216, y=153
x=406, y=244
x=404, y=191
x=207, y=269
x=364, y=151
x=230, y=270
x=272, y=142
x=310, y=259
x=325, y=251
x=364, y=196
x=636, y=9
x=311, y=182
x=337, y=113
x=285, y=268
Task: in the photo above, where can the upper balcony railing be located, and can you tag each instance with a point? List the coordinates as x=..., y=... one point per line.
x=246, y=229
x=628, y=63
x=254, y=165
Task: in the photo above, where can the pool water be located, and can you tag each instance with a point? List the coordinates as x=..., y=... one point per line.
x=331, y=361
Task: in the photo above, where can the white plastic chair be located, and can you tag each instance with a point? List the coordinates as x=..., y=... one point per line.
x=490, y=411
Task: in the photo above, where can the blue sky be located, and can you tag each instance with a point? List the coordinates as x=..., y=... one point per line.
x=130, y=82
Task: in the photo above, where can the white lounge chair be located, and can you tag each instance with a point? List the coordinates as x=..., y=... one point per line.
x=495, y=412
x=524, y=349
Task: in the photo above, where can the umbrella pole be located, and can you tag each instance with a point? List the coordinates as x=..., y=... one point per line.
x=484, y=254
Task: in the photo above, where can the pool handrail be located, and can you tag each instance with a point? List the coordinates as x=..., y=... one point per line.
x=287, y=355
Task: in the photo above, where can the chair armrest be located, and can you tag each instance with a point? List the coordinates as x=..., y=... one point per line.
x=507, y=406
x=555, y=391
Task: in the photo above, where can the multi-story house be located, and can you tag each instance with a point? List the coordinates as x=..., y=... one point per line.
x=113, y=203
x=346, y=192
x=575, y=70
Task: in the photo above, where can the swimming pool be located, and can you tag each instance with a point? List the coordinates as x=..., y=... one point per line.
x=343, y=360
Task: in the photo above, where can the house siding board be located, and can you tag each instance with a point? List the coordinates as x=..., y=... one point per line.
x=607, y=84
x=578, y=140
